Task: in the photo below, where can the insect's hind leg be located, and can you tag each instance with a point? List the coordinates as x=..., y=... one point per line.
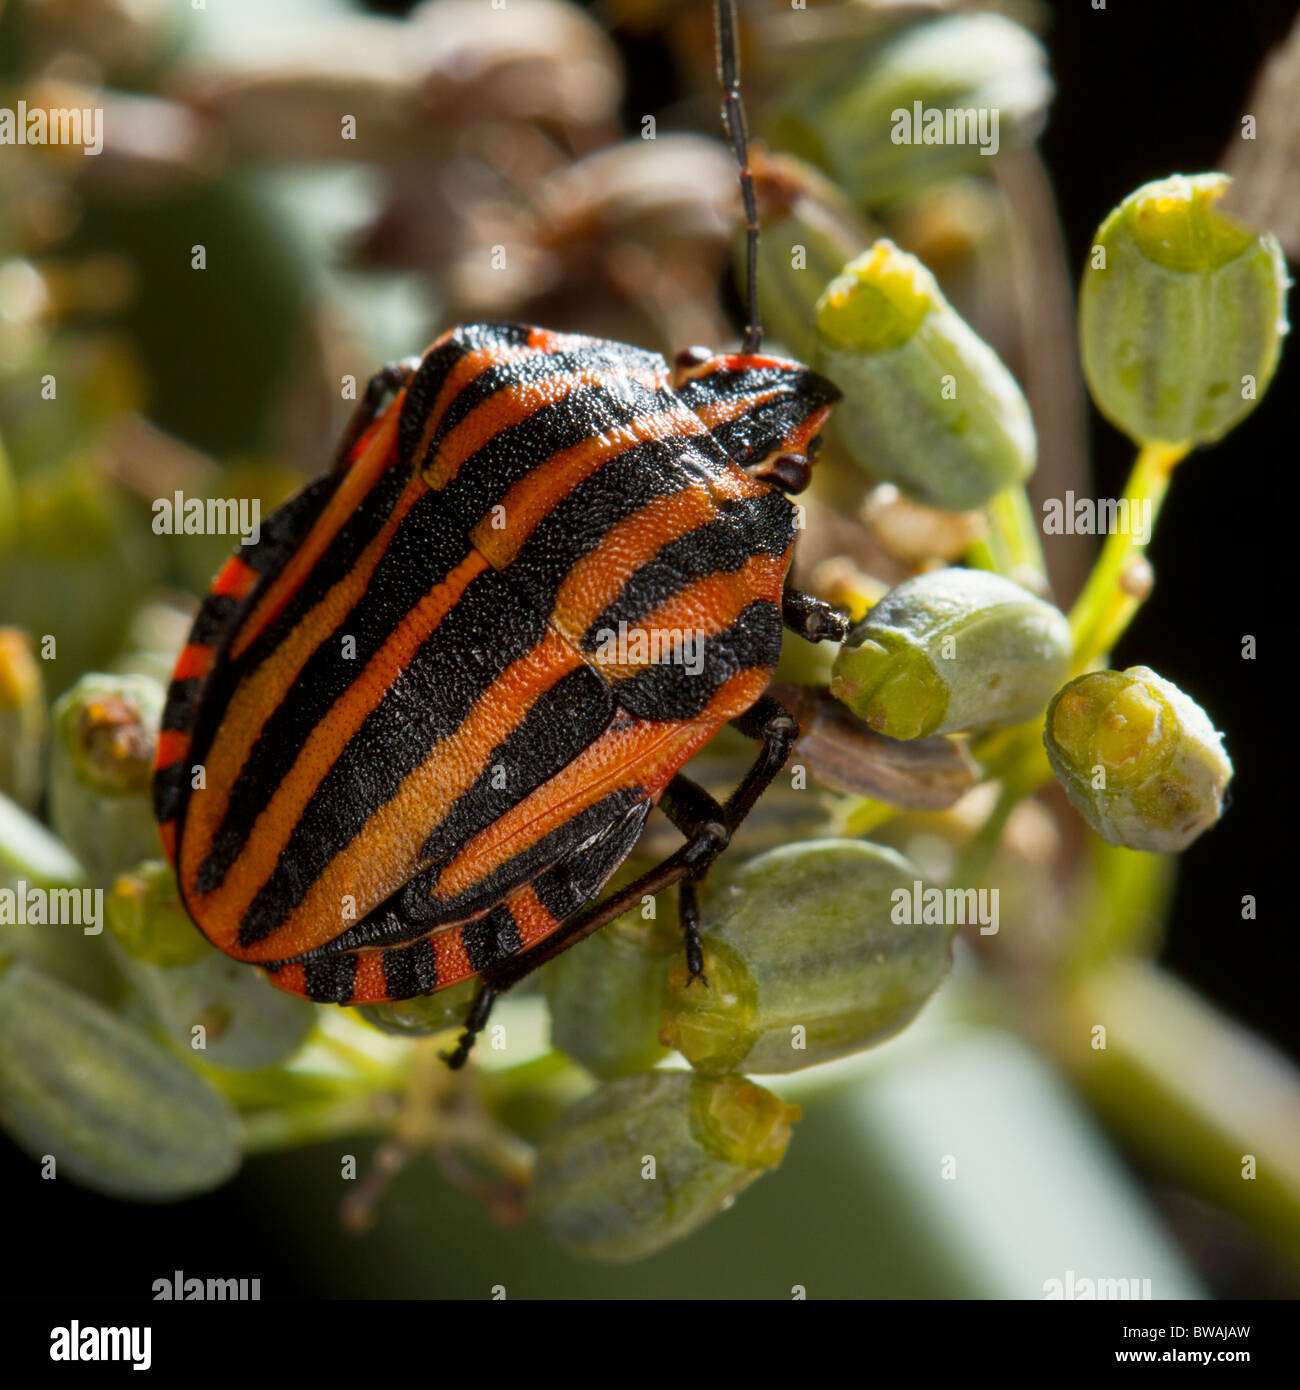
x=708, y=826
x=475, y=1021
x=391, y=377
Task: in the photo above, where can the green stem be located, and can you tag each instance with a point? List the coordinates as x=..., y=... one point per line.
x=1012, y=546
x=364, y=1113
x=1104, y=609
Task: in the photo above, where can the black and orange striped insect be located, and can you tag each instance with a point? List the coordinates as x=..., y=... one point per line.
x=422, y=755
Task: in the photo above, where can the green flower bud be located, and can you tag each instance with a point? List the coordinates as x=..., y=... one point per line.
x=1181, y=313
x=222, y=1012
x=953, y=650
x=148, y=921
x=927, y=404
x=22, y=719
x=606, y=998
x=805, y=962
x=1139, y=760
x=939, y=99
x=645, y=1161
x=33, y=859
x=101, y=769
x=114, y=1109
x=425, y=1014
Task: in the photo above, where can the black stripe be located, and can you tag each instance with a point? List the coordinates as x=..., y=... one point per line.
x=676, y=692
x=614, y=360
x=488, y=629
x=182, y=707
x=410, y=970
x=746, y=527
x=491, y=938
x=577, y=524
x=214, y=619
x=595, y=842
x=559, y=725
x=338, y=558
x=575, y=881
x=484, y=478
x=423, y=388
x=331, y=979
x=423, y=550
x=171, y=787
x=195, y=706
x=723, y=382
x=762, y=426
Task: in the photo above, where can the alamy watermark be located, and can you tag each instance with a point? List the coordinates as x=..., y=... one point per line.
x=190, y=1289
x=1103, y=516
x=951, y=907
x=954, y=125
x=53, y=125
x=655, y=646
x=25, y=905
x=1075, y=1286
x=179, y=515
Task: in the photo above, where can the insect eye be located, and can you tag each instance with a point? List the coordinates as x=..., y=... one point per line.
x=694, y=356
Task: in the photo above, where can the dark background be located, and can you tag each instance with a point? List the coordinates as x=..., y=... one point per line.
x=1143, y=90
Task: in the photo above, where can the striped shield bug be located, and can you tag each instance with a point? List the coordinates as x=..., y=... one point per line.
x=434, y=705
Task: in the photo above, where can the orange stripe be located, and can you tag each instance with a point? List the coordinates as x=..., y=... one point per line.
x=598, y=578
x=319, y=752
x=234, y=580
x=642, y=754
x=167, y=834
x=727, y=408
x=733, y=697
x=700, y=610
x=536, y=494
x=450, y=958
x=510, y=406
x=535, y=921
x=369, y=985
x=385, y=854
x=194, y=662
x=466, y=369
x=173, y=745
x=356, y=483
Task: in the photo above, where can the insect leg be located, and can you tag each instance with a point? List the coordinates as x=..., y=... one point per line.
x=475, y=1022
x=812, y=619
x=710, y=828
x=702, y=820
x=388, y=378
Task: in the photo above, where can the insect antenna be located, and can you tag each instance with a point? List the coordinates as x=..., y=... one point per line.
x=733, y=116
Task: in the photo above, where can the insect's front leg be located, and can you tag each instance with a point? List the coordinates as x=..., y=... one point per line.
x=813, y=619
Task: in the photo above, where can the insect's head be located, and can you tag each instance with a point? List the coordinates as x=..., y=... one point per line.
x=767, y=412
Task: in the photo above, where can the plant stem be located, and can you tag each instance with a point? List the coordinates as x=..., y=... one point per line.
x=1012, y=546
x=1104, y=609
